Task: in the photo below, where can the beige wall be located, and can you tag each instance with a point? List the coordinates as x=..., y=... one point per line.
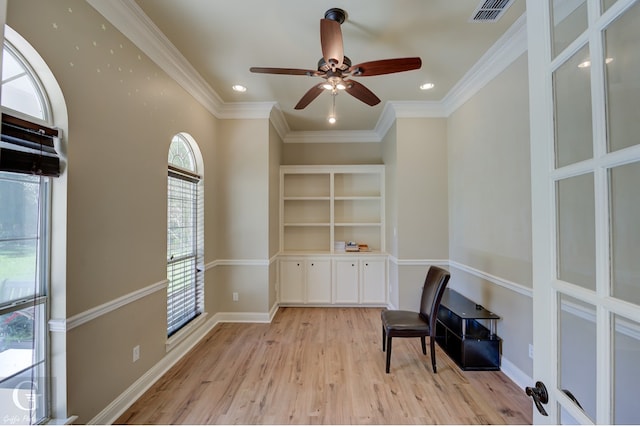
x=421, y=184
x=489, y=180
x=490, y=206
x=327, y=153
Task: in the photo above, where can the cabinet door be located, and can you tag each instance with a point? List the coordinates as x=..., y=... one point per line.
x=318, y=281
x=373, y=282
x=291, y=281
x=346, y=281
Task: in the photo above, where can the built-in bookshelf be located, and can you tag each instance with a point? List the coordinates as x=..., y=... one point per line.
x=321, y=205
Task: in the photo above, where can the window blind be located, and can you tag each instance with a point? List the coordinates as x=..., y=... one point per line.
x=184, y=292
x=28, y=147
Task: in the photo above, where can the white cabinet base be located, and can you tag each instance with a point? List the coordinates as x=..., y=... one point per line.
x=334, y=280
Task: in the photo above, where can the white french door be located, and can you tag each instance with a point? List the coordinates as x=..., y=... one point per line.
x=584, y=74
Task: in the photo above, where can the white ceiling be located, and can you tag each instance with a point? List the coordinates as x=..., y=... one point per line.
x=223, y=39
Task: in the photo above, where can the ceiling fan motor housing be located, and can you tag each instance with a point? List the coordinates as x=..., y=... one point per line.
x=336, y=14
x=324, y=67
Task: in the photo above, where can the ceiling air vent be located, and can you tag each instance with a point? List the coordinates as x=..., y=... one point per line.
x=490, y=10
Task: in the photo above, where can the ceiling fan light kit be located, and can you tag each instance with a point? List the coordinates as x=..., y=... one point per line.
x=337, y=69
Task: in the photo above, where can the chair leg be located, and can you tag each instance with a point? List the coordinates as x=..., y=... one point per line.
x=432, y=344
x=384, y=337
x=424, y=345
x=388, y=352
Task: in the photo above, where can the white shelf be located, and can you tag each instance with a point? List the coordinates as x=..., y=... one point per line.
x=307, y=224
x=320, y=205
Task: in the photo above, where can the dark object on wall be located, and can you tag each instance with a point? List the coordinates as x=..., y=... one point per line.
x=28, y=148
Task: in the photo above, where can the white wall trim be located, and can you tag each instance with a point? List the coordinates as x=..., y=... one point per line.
x=130, y=19
x=240, y=262
x=117, y=407
x=419, y=262
x=515, y=287
x=514, y=373
x=65, y=325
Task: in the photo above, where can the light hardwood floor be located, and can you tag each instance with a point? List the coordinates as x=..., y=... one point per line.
x=322, y=366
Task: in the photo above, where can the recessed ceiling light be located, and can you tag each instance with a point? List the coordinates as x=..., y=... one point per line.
x=239, y=88
x=427, y=86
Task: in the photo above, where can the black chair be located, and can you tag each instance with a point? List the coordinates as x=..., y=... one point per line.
x=408, y=324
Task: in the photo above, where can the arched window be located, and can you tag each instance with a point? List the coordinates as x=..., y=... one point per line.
x=185, y=237
x=28, y=162
x=21, y=90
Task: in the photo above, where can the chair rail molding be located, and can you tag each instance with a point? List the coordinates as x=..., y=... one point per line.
x=512, y=286
x=65, y=325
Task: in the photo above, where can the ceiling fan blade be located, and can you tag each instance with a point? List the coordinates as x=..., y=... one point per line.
x=385, y=66
x=331, y=41
x=309, y=96
x=359, y=91
x=288, y=71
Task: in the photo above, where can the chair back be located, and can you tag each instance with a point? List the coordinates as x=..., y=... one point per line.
x=432, y=291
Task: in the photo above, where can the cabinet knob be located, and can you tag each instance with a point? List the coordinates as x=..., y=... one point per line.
x=367, y=264
x=298, y=264
x=353, y=265
x=312, y=264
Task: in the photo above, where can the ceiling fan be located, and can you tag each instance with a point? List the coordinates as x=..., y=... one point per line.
x=337, y=69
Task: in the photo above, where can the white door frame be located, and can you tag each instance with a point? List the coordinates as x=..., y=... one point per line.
x=546, y=286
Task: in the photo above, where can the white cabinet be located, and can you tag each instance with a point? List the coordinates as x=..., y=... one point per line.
x=318, y=283
x=305, y=281
x=340, y=280
x=373, y=279
x=345, y=284
x=292, y=281
x=360, y=281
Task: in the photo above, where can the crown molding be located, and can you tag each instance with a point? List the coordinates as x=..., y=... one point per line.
x=279, y=122
x=507, y=49
x=130, y=19
x=246, y=110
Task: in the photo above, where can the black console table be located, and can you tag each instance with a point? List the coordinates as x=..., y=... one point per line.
x=472, y=345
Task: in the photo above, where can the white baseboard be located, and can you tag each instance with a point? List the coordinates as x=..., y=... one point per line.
x=116, y=408
x=521, y=379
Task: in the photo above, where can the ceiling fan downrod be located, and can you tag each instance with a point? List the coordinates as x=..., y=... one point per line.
x=336, y=14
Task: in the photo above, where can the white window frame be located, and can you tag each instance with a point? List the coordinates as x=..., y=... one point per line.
x=39, y=410
x=183, y=175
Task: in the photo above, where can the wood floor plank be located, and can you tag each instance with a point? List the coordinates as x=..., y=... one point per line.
x=322, y=366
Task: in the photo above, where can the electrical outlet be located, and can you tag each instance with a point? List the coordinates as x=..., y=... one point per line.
x=531, y=351
x=235, y=296
x=136, y=353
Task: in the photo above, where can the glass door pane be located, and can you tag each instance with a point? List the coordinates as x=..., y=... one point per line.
x=625, y=232
x=622, y=38
x=576, y=231
x=569, y=21
x=626, y=371
x=573, y=122
x=577, y=345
